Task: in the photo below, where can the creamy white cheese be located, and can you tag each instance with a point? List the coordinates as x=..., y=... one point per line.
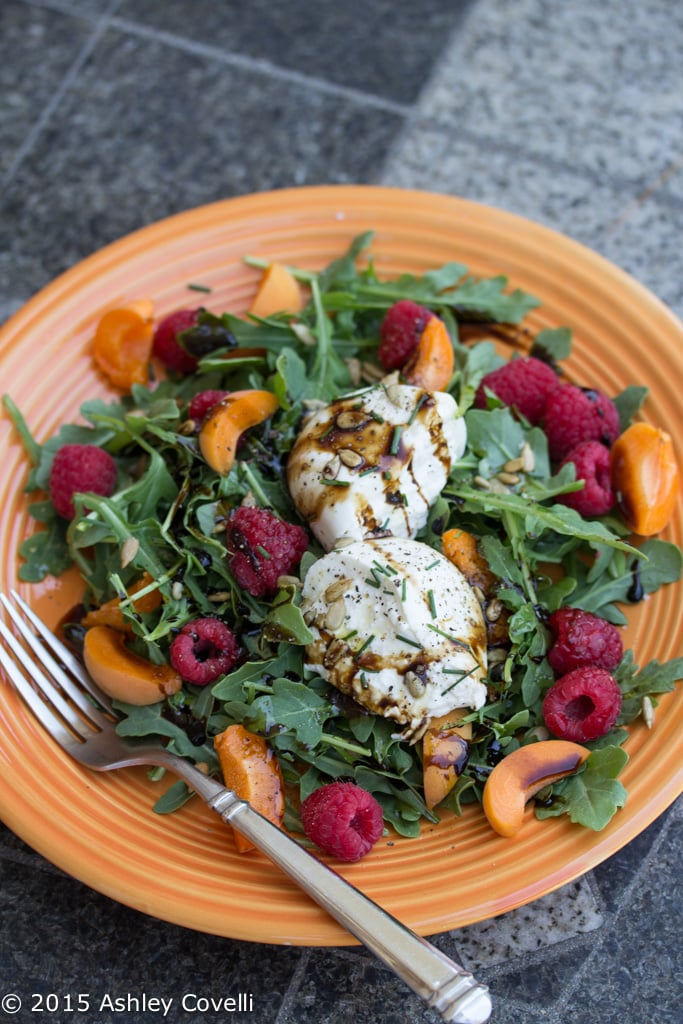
x=373, y=464
x=398, y=628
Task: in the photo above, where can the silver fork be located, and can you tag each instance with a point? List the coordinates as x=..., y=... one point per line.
x=60, y=692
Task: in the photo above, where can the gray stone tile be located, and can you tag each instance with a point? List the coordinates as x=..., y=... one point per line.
x=593, y=85
x=635, y=973
x=386, y=48
x=537, y=983
x=84, y=8
x=37, y=47
x=148, y=130
x=342, y=988
x=65, y=939
x=570, y=911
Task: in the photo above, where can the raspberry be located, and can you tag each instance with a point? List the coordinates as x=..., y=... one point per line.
x=203, y=402
x=166, y=345
x=203, y=650
x=582, y=639
x=342, y=819
x=523, y=383
x=400, y=332
x=579, y=414
x=263, y=548
x=583, y=705
x=77, y=468
x=592, y=464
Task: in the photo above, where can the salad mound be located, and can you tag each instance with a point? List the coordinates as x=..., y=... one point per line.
x=338, y=684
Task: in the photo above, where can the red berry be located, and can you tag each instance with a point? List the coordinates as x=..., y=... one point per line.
x=400, y=332
x=263, y=547
x=166, y=346
x=580, y=639
x=343, y=819
x=579, y=414
x=583, y=705
x=523, y=384
x=591, y=461
x=203, y=650
x=77, y=468
x=203, y=402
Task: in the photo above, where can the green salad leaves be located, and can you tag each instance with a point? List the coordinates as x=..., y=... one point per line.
x=166, y=517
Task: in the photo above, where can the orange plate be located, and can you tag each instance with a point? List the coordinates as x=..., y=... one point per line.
x=183, y=868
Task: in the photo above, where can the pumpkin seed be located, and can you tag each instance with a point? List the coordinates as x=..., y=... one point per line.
x=337, y=589
x=414, y=684
x=336, y=614
x=351, y=419
x=350, y=458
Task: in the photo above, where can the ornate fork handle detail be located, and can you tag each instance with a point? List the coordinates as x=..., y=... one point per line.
x=447, y=988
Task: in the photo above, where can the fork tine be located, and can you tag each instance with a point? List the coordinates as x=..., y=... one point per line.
x=63, y=683
x=65, y=656
x=22, y=684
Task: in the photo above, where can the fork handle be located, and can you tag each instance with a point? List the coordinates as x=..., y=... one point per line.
x=447, y=988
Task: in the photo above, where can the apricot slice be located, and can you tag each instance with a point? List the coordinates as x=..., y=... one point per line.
x=123, y=674
x=522, y=774
x=645, y=477
x=460, y=548
x=252, y=771
x=433, y=361
x=222, y=428
x=110, y=614
x=445, y=748
x=122, y=346
x=279, y=292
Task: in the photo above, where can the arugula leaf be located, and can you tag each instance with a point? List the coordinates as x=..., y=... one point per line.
x=296, y=708
x=31, y=446
x=552, y=344
x=284, y=622
x=593, y=796
x=46, y=552
x=629, y=402
x=637, y=683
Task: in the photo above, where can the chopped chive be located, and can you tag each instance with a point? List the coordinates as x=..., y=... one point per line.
x=386, y=474
x=199, y=288
x=376, y=417
x=449, y=636
x=364, y=680
x=390, y=569
x=463, y=675
x=335, y=483
x=365, y=645
x=385, y=524
x=262, y=551
x=370, y=469
x=349, y=635
x=432, y=565
x=372, y=582
x=404, y=584
x=407, y=640
x=395, y=439
x=421, y=401
x=432, y=603
x=380, y=568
